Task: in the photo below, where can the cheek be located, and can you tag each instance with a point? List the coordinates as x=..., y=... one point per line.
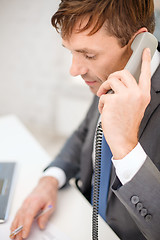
x=108, y=68
x=103, y=67
x=102, y=71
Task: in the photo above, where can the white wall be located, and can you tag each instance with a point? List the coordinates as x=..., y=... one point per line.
x=157, y=14
x=34, y=68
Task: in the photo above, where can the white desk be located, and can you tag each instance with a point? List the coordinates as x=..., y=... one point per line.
x=73, y=214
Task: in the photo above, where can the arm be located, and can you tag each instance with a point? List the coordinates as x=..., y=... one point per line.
x=141, y=197
x=69, y=157
x=45, y=193
x=122, y=114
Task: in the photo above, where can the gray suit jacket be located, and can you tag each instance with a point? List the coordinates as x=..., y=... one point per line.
x=133, y=210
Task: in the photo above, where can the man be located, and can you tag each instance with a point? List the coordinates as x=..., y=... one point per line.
x=99, y=35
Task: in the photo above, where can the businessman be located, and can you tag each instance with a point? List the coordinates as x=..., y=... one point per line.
x=99, y=34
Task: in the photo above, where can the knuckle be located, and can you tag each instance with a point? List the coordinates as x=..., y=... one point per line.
x=147, y=98
x=29, y=215
x=12, y=228
x=27, y=225
x=136, y=98
x=18, y=237
x=125, y=72
x=143, y=98
x=26, y=228
x=102, y=98
x=139, y=96
x=110, y=76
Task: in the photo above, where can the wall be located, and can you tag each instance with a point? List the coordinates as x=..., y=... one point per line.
x=34, y=68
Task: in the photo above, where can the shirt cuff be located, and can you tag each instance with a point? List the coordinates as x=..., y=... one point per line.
x=127, y=167
x=57, y=173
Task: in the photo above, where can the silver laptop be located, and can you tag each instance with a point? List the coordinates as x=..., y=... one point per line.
x=7, y=170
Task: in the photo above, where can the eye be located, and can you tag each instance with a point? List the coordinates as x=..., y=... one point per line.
x=90, y=56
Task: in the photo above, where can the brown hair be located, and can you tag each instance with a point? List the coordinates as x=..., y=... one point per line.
x=123, y=18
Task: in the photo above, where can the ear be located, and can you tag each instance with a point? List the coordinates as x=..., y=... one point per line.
x=141, y=30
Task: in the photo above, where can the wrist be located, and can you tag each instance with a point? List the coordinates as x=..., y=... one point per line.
x=119, y=151
x=48, y=181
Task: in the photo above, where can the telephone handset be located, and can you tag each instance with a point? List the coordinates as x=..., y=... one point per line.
x=141, y=41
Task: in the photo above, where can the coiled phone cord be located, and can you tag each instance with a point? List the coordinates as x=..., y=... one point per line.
x=96, y=188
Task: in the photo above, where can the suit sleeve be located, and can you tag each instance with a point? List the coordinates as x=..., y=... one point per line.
x=69, y=157
x=141, y=195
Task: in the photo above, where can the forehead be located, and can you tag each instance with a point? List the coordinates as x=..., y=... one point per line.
x=97, y=41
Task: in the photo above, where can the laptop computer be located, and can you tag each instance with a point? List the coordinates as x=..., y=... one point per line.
x=7, y=170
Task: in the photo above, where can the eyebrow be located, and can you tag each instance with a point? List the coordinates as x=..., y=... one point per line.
x=83, y=50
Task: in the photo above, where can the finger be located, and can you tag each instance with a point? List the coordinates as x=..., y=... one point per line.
x=115, y=84
x=102, y=101
x=30, y=213
x=145, y=76
x=18, y=235
x=101, y=104
x=17, y=222
x=104, y=88
x=14, y=224
x=125, y=77
x=42, y=220
x=27, y=225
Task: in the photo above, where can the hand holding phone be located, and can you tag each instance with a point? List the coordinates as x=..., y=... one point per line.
x=141, y=41
x=121, y=113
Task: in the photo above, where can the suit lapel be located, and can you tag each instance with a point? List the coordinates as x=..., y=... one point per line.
x=155, y=100
x=86, y=163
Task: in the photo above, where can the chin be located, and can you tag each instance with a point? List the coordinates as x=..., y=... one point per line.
x=93, y=90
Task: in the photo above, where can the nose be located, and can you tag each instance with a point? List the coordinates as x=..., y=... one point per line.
x=77, y=67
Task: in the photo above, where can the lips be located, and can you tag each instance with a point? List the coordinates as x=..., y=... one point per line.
x=90, y=83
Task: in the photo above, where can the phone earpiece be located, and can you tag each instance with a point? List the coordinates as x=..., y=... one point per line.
x=141, y=41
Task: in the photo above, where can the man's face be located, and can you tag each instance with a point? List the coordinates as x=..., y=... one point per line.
x=95, y=57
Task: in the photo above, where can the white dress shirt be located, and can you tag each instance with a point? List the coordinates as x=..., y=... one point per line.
x=127, y=167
